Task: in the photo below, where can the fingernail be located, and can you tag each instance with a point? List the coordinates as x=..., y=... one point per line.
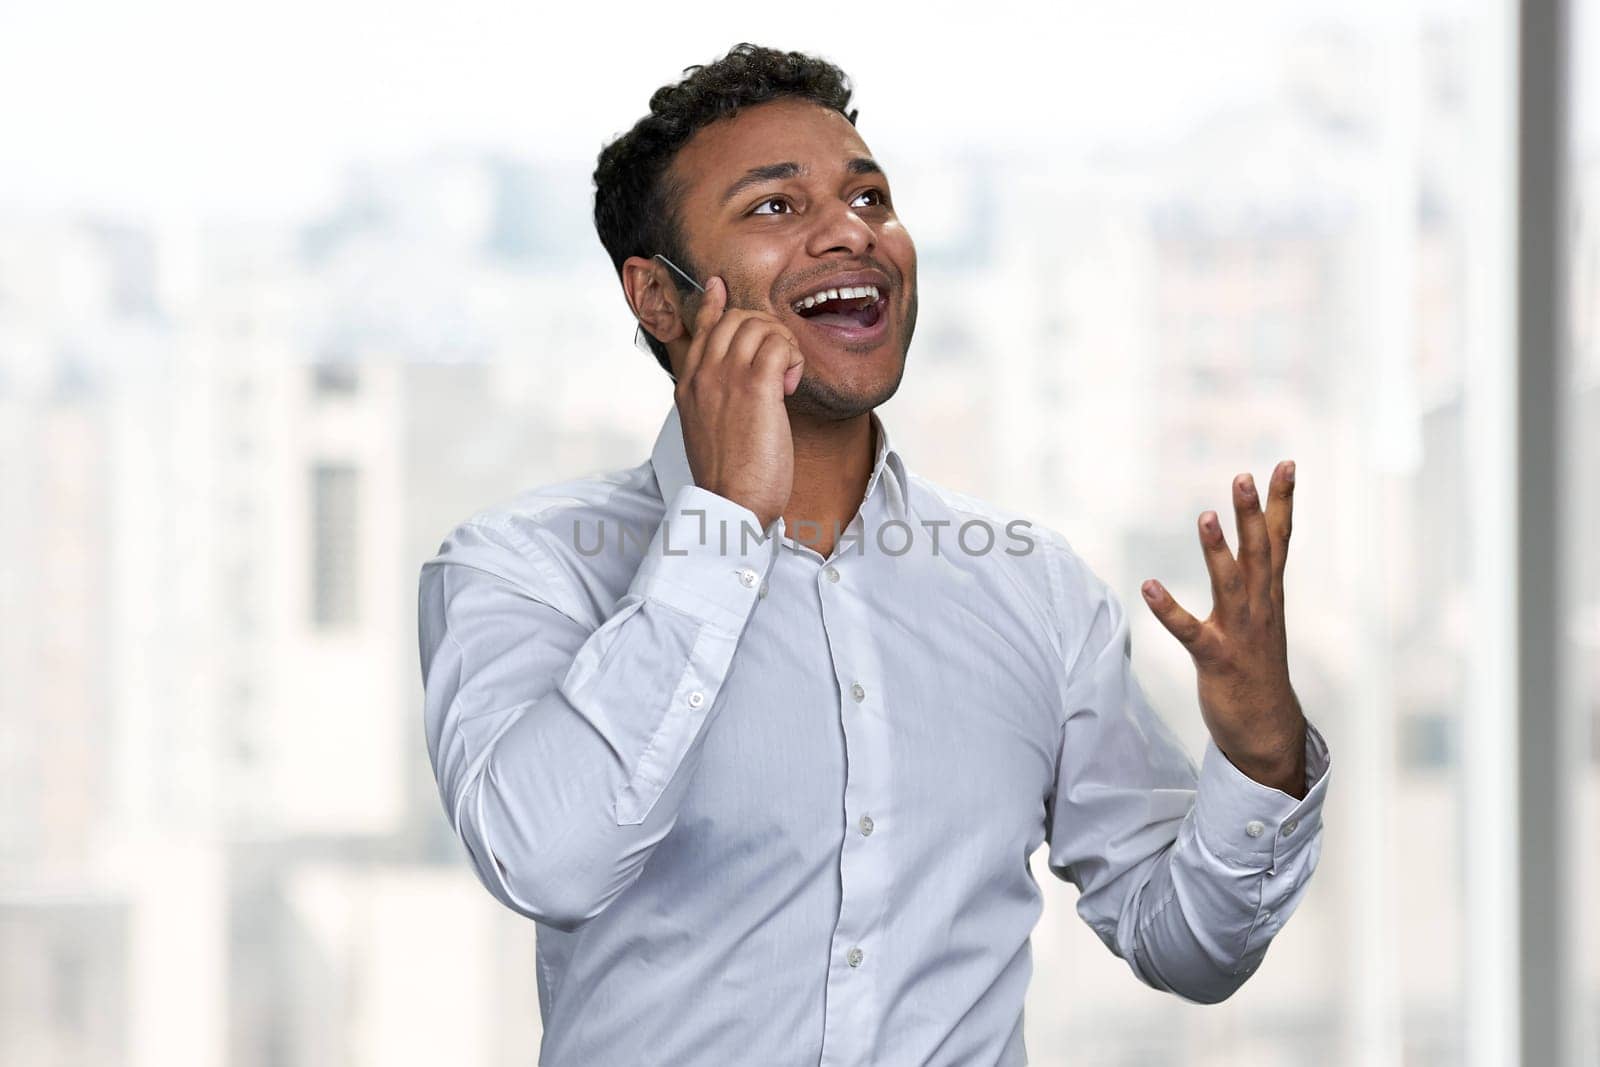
x=1288, y=472
x=1248, y=487
x=1150, y=592
x=1209, y=521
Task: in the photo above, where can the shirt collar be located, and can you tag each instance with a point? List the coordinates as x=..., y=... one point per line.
x=670, y=461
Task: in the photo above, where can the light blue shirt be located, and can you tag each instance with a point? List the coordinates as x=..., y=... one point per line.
x=767, y=807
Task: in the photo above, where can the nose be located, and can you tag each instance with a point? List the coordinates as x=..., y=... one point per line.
x=840, y=228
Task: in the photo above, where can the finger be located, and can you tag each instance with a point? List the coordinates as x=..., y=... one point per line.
x=747, y=339
x=796, y=368
x=1189, y=630
x=1229, y=601
x=794, y=360
x=720, y=338
x=1280, y=511
x=774, y=358
x=1255, y=550
x=712, y=304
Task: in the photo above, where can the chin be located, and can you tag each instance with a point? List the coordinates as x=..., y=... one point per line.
x=841, y=390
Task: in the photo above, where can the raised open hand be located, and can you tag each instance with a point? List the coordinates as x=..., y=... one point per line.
x=1240, y=651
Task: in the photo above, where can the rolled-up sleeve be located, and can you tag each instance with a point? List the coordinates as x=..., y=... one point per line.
x=1186, y=873
x=560, y=748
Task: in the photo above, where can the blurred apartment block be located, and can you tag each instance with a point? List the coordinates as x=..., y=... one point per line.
x=224, y=452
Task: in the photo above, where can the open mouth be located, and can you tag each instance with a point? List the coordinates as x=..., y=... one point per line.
x=857, y=311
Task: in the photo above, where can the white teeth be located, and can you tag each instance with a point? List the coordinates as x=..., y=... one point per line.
x=849, y=292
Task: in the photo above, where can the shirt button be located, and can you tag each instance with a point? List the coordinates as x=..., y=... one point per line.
x=855, y=956
x=832, y=573
x=748, y=577
x=696, y=698
x=859, y=693
x=866, y=825
x=1288, y=827
x=763, y=590
x=1254, y=827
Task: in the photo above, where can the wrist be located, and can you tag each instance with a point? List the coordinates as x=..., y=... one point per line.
x=1283, y=771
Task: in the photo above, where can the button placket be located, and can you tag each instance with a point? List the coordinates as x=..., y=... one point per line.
x=852, y=1013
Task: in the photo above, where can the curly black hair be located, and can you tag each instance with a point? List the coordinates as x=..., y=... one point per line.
x=636, y=203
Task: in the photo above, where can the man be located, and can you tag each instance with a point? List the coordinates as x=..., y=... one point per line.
x=772, y=801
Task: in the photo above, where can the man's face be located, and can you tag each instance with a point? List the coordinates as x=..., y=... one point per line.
x=780, y=236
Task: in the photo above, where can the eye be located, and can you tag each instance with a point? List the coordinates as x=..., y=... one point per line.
x=769, y=200
x=883, y=198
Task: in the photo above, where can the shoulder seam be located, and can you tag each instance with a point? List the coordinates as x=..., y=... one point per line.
x=554, y=587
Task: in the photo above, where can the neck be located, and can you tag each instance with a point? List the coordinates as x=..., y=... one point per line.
x=832, y=463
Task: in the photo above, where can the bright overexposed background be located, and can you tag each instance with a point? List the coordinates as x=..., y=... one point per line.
x=288, y=290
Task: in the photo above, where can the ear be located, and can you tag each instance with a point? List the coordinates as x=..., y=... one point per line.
x=653, y=298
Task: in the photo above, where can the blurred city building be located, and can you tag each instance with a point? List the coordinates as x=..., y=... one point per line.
x=227, y=449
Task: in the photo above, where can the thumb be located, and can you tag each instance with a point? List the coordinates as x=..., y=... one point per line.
x=1182, y=625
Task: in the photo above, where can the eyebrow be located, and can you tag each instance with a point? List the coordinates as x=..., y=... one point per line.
x=773, y=172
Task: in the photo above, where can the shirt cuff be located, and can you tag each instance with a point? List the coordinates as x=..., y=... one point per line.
x=709, y=558
x=1257, y=825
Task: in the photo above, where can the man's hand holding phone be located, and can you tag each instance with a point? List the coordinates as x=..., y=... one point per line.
x=740, y=367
